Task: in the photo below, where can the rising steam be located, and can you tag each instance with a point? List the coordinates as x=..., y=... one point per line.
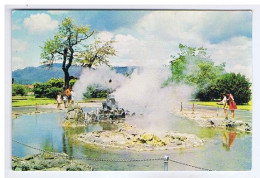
x=142, y=93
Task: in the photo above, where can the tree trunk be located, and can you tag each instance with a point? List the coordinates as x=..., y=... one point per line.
x=66, y=79
x=65, y=69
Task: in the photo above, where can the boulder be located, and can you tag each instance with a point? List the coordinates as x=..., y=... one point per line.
x=74, y=117
x=39, y=162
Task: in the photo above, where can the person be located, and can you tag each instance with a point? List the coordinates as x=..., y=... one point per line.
x=72, y=97
x=225, y=105
x=68, y=94
x=59, y=100
x=65, y=100
x=232, y=104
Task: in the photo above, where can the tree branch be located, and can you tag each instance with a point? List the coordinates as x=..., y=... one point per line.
x=86, y=37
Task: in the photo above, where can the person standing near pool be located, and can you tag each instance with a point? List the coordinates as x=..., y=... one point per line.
x=225, y=105
x=65, y=100
x=68, y=94
x=72, y=96
x=232, y=104
x=59, y=100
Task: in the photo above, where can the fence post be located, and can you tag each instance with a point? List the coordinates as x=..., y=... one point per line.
x=36, y=107
x=181, y=106
x=165, y=161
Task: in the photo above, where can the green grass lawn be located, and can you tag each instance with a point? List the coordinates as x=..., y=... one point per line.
x=214, y=104
x=30, y=101
x=92, y=100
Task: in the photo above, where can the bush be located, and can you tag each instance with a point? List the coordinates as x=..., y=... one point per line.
x=237, y=84
x=52, y=92
x=96, y=91
x=18, y=89
x=38, y=90
x=50, y=88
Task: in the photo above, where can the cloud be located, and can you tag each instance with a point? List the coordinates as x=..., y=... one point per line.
x=155, y=36
x=40, y=23
x=137, y=52
x=219, y=26
x=19, y=46
x=19, y=62
x=236, y=53
x=105, y=35
x=195, y=26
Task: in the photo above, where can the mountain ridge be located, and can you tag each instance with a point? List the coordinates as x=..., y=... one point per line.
x=43, y=73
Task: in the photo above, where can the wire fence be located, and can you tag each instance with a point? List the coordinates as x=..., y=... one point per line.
x=165, y=159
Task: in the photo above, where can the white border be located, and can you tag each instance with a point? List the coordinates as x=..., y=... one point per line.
x=125, y=174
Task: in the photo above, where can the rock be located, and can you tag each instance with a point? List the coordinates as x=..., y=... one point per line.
x=74, y=117
x=178, y=143
x=25, y=166
x=18, y=169
x=239, y=125
x=141, y=140
x=39, y=162
x=28, y=157
x=146, y=137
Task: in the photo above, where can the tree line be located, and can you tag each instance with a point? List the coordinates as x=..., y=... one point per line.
x=194, y=67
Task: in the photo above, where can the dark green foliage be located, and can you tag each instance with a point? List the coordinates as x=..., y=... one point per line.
x=72, y=82
x=96, y=91
x=237, y=84
x=18, y=89
x=208, y=93
x=50, y=88
x=38, y=89
x=52, y=92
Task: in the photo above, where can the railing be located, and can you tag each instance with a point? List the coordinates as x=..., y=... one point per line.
x=165, y=159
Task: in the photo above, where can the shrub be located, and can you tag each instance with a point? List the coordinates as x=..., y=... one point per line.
x=237, y=84
x=96, y=91
x=50, y=88
x=18, y=89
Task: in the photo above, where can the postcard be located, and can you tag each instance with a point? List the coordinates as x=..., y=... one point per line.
x=121, y=89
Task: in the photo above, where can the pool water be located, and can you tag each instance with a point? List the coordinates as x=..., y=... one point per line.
x=223, y=150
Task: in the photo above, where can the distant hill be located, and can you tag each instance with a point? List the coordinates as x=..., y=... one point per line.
x=43, y=73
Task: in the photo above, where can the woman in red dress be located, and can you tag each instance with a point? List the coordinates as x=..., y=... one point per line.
x=232, y=104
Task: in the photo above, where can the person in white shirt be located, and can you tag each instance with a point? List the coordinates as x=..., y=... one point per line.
x=225, y=105
x=72, y=97
x=59, y=100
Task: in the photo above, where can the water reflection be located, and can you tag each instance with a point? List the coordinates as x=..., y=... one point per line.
x=68, y=138
x=229, y=139
x=48, y=145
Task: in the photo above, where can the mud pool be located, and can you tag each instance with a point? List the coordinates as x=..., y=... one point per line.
x=44, y=131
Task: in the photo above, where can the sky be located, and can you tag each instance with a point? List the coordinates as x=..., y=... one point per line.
x=143, y=37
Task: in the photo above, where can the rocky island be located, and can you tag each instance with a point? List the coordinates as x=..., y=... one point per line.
x=131, y=138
